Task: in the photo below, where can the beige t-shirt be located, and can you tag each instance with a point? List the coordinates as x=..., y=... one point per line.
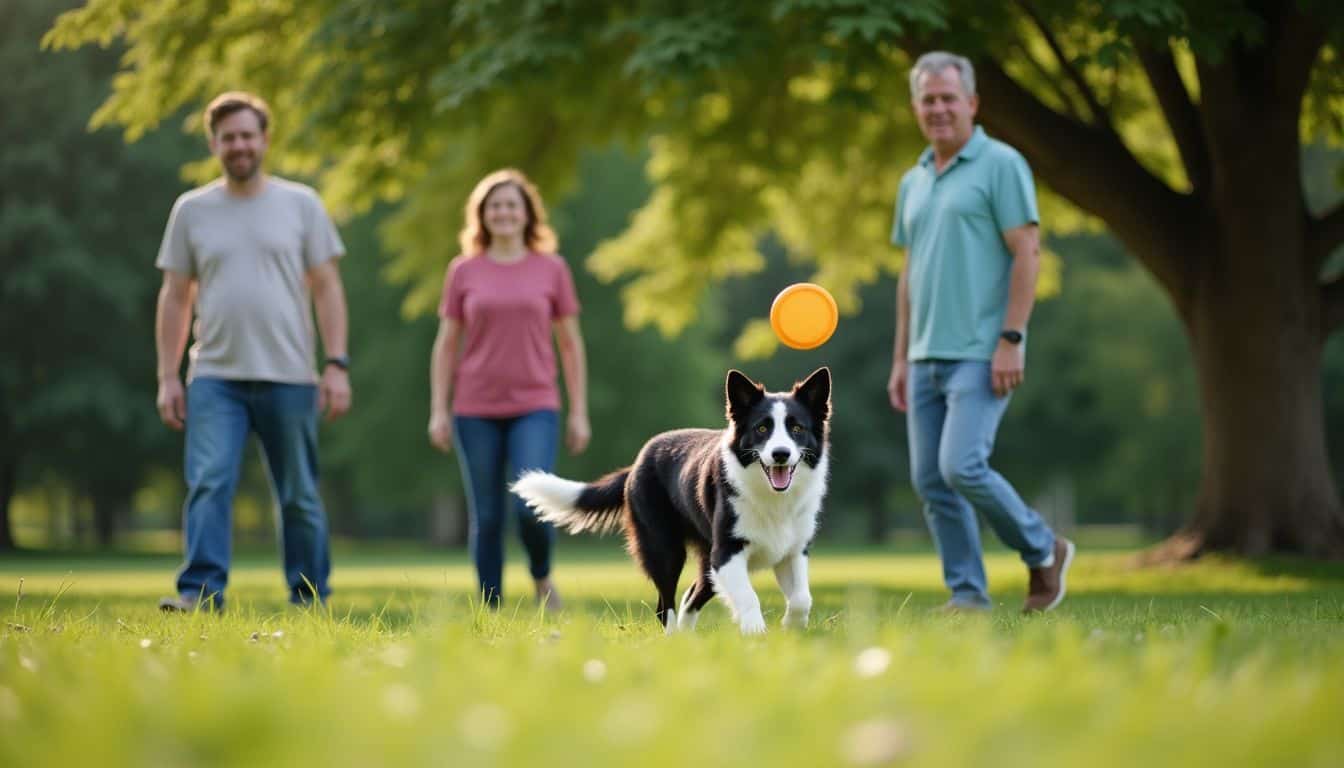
x=250, y=257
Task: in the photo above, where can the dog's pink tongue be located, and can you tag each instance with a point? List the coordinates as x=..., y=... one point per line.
x=779, y=477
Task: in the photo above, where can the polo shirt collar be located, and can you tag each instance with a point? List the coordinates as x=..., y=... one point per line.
x=972, y=148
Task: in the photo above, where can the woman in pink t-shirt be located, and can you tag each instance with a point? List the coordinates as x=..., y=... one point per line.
x=493, y=360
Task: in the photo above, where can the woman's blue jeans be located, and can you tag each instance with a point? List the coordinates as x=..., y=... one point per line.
x=953, y=417
x=493, y=452
x=220, y=415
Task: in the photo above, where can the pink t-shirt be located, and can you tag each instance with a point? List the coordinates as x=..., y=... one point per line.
x=507, y=366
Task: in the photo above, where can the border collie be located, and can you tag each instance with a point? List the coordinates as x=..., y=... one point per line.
x=742, y=498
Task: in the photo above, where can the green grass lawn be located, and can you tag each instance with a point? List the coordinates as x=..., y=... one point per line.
x=1217, y=663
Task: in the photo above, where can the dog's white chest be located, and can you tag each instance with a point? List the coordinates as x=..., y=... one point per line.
x=770, y=538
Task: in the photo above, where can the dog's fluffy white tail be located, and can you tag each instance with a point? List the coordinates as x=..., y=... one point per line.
x=574, y=506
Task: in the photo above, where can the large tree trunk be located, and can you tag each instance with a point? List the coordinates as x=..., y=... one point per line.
x=1254, y=315
x=1266, y=484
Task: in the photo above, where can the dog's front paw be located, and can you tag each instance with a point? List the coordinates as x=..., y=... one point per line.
x=753, y=624
x=794, y=620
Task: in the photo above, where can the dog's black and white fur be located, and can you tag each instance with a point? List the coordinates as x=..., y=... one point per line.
x=742, y=498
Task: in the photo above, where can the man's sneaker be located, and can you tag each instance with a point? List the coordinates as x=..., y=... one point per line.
x=1046, y=584
x=184, y=604
x=954, y=607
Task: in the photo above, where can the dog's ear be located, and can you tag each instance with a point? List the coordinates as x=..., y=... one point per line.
x=815, y=393
x=742, y=392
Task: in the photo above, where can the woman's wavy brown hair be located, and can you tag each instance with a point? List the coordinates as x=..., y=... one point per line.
x=537, y=234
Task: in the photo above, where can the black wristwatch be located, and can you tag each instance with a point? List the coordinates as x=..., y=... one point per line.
x=340, y=361
x=1011, y=336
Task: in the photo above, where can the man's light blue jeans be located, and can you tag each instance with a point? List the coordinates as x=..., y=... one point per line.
x=220, y=414
x=952, y=419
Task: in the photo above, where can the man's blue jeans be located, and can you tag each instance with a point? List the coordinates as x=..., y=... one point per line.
x=220, y=414
x=486, y=447
x=953, y=417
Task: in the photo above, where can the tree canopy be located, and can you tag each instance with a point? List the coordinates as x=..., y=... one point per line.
x=386, y=110
x=790, y=116
x=1176, y=123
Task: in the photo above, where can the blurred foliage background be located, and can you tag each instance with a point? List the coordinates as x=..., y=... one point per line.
x=678, y=248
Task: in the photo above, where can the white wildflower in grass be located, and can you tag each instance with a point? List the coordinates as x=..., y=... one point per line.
x=594, y=670
x=277, y=634
x=401, y=700
x=146, y=642
x=27, y=663
x=872, y=662
x=879, y=741
x=485, y=727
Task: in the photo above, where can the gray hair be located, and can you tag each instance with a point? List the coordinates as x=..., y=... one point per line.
x=937, y=61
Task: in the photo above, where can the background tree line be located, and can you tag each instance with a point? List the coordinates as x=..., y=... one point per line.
x=1110, y=416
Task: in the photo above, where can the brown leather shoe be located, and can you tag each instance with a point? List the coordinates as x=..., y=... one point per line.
x=1045, y=587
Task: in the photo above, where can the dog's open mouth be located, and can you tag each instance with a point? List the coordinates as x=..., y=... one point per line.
x=779, y=475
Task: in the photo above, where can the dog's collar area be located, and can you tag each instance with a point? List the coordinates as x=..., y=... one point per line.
x=780, y=476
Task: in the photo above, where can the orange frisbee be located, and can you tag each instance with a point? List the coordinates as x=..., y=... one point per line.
x=804, y=315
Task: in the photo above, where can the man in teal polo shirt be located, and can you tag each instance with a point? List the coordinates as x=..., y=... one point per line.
x=966, y=215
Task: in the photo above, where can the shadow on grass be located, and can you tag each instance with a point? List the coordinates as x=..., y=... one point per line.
x=1301, y=568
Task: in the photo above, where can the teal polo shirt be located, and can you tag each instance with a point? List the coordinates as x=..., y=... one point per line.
x=951, y=225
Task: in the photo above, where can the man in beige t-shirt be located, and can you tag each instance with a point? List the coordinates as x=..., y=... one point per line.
x=253, y=254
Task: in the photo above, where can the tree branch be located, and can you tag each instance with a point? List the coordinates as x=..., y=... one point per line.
x=1100, y=116
x=1332, y=306
x=1155, y=222
x=1182, y=115
x=1065, y=97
